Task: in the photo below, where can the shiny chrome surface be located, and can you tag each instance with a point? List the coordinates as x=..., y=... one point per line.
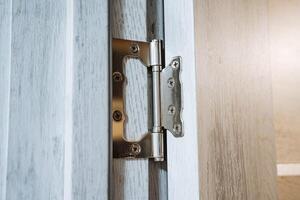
x=151, y=145
x=171, y=97
x=166, y=99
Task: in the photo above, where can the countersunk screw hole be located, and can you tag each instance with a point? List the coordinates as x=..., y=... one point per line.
x=134, y=48
x=117, y=76
x=135, y=149
x=171, y=82
x=171, y=110
x=117, y=115
x=177, y=128
x=175, y=64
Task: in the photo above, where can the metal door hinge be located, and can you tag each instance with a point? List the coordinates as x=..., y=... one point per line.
x=166, y=99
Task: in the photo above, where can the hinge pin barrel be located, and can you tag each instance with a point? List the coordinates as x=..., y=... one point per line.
x=157, y=132
x=166, y=99
x=156, y=99
x=156, y=64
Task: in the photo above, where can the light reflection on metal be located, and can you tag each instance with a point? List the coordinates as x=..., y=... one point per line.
x=165, y=99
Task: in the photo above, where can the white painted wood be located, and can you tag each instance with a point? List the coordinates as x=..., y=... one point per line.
x=183, y=177
x=59, y=115
x=130, y=177
x=90, y=147
x=5, y=46
x=68, y=139
x=58, y=145
x=35, y=168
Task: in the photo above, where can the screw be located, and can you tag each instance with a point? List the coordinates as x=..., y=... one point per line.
x=117, y=115
x=171, y=110
x=134, y=48
x=177, y=128
x=175, y=64
x=171, y=82
x=135, y=149
x=117, y=76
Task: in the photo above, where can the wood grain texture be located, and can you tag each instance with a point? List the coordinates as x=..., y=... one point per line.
x=91, y=156
x=36, y=127
x=5, y=46
x=183, y=168
x=285, y=48
x=288, y=187
x=237, y=141
x=130, y=177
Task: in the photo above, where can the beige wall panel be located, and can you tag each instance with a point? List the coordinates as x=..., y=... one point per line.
x=285, y=62
x=237, y=141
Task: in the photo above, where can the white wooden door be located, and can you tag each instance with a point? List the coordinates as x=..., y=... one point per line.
x=54, y=99
x=55, y=134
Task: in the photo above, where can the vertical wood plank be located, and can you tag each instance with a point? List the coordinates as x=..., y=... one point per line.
x=131, y=176
x=5, y=47
x=237, y=151
x=91, y=156
x=69, y=76
x=36, y=126
x=183, y=178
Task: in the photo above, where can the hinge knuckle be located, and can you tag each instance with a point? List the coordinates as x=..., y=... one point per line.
x=166, y=99
x=155, y=53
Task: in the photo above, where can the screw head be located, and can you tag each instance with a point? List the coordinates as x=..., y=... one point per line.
x=171, y=82
x=117, y=76
x=117, y=115
x=175, y=64
x=171, y=110
x=134, y=48
x=135, y=149
x=177, y=128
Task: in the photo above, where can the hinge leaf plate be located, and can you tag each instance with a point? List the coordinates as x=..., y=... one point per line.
x=171, y=97
x=166, y=99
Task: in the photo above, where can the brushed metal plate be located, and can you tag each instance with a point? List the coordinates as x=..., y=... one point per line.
x=171, y=108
